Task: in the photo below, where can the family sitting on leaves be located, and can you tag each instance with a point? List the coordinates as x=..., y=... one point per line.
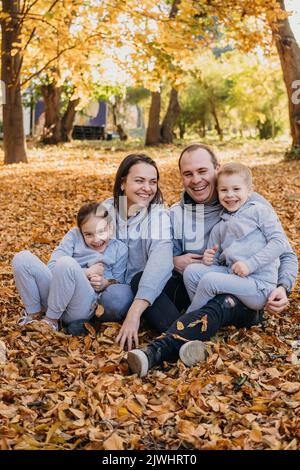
x=218, y=257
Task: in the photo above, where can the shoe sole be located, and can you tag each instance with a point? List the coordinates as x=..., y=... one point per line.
x=138, y=362
x=193, y=352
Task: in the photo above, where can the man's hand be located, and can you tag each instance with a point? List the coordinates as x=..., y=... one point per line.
x=277, y=301
x=181, y=262
x=241, y=269
x=96, y=268
x=208, y=256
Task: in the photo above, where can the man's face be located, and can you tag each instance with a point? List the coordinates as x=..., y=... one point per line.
x=199, y=175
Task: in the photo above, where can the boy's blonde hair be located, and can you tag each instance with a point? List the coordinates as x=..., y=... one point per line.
x=234, y=168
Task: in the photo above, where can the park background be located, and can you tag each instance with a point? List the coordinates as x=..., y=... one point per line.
x=84, y=83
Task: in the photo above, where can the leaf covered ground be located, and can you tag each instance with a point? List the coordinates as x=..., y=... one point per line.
x=62, y=392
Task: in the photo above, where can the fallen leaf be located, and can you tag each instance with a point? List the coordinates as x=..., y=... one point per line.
x=114, y=442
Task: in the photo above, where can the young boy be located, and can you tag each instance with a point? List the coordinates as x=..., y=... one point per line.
x=242, y=256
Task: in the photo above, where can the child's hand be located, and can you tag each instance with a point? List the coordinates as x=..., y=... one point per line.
x=98, y=283
x=208, y=256
x=241, y=269
x=95, y=269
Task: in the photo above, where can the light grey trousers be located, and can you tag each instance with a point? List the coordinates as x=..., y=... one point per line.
x=65, y=292
x=205, y=282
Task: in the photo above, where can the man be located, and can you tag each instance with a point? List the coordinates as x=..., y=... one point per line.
x=198, y=168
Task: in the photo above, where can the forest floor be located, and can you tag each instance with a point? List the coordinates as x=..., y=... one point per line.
x=63, y=392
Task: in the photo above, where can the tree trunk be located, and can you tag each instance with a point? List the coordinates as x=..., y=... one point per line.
x=52, y=133
x=116, y=119
x=170, y=118
x=181, y=126
x=289, y=54
x=14, y=142
x=215, y=115
x=67, y=121
x=153, y=130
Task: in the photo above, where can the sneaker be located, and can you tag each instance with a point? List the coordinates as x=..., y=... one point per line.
x=27, y=319
x=138, y=362
x=192, y=352
x=50, y=324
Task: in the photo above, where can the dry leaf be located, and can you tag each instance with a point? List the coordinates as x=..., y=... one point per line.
x=99, y=311
x=114, y=442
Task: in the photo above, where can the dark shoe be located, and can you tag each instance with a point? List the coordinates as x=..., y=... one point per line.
x=192, y=352
x=140, y=361
x=77, y=328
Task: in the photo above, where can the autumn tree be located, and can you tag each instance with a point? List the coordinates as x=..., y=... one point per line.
x=11, y=63
x=289, y=54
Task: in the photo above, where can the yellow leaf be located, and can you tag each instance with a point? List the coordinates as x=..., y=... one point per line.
x=180, y=326
x=134, y=408
x=99, y=311
x=255, y=435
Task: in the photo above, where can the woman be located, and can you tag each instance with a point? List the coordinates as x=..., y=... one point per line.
x=143, y=223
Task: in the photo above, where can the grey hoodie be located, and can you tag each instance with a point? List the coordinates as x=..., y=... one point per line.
x=252, y=234
x=211, y=215
x=150, y=249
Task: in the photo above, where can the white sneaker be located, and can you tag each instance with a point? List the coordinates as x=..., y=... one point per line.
x=26, y=319
x=138, y=362
x=192, y=352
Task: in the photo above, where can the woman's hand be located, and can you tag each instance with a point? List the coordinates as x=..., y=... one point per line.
x=128, y=333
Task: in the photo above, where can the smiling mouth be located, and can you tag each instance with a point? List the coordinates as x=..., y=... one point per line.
x=199, y=188
x=99, y=245
x=144, y=196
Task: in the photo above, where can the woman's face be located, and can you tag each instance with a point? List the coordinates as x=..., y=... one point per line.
x=140, y=185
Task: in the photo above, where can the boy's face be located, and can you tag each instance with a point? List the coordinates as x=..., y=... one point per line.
x=233, y=191
x=95, y=232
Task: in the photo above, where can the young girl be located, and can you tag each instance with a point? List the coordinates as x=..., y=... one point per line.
x=85, y=263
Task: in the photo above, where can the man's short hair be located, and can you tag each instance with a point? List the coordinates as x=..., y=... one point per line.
x=193, y=147
x=234, y=168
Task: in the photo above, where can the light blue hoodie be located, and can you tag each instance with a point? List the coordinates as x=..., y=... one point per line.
x=211, y=215
x=114, y=257
x=252, y=234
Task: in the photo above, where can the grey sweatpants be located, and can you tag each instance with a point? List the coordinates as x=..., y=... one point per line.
x=64, y=292
x=205, y=282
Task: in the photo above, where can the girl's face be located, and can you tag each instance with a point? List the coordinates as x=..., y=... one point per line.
x=95, y=231
x=140, y=185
